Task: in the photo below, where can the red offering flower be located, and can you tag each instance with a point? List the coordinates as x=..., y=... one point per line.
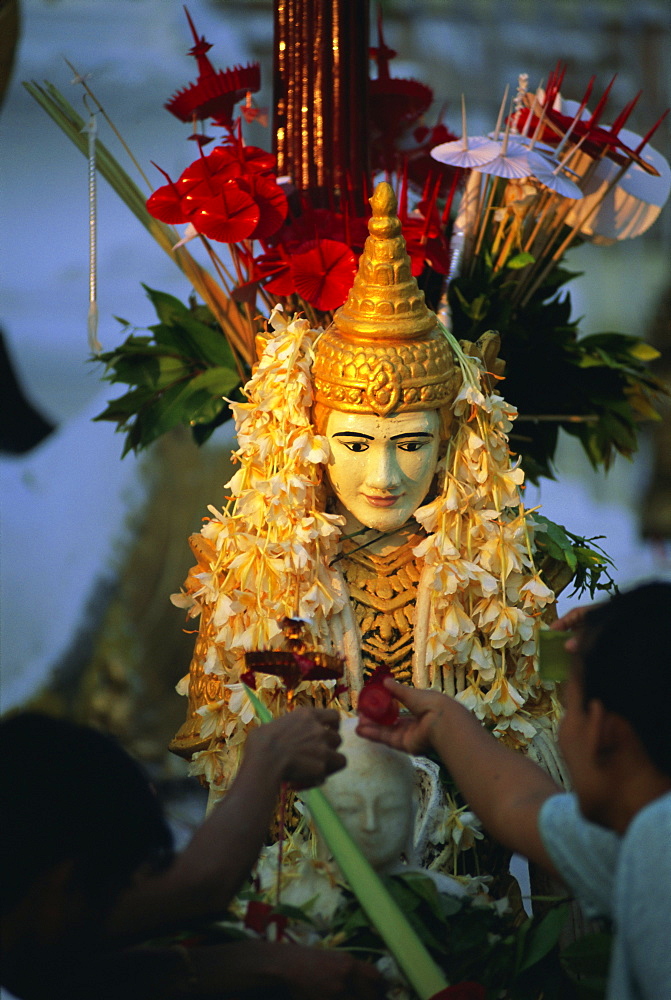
x=228, y=216
x=229, y=195
x=375, y=702
x=323, y=273
x=271, y=202
x=165, y=204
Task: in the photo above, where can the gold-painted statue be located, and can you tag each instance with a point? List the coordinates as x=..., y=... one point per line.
x=377, y=500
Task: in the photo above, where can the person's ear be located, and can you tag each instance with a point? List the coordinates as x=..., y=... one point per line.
x=607, y=732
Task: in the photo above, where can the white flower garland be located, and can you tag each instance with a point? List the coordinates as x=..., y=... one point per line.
x=486, y=595
x=267, y=555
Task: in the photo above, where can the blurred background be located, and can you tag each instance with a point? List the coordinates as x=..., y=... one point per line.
x=87, y=627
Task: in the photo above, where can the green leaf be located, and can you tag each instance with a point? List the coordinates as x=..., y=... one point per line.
x=179, y=328
x=541, y=937
x=586, y=962
x=644, y=352
x=218, y=381
x=520, y=260
x=168, y=307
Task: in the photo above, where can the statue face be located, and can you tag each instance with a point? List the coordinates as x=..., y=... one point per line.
x=375, y=806
x=381, y=467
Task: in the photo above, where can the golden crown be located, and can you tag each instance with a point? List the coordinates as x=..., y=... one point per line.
x=384, y=352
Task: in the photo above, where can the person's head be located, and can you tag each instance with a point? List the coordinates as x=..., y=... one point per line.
x=621, y=674
x=385, y=381
x=80, y=819
x=374, y=795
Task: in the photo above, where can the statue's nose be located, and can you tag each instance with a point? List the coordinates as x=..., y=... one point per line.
x=383, y=471
x=369, y=818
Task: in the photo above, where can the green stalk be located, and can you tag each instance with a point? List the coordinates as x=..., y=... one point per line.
x=412, y=957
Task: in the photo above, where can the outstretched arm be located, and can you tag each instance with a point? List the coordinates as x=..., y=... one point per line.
x=503, y=787
x=299, y=748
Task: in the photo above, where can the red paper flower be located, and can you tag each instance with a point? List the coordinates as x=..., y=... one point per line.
x=375, y=702
x=229, y=216
x=271, y=201
x=229, y=195
x=323, y=273
x=324, y=224
x=165, y=204
x=419, y=163
x=426, y=244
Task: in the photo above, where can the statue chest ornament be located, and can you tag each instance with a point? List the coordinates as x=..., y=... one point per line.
x=383, y=593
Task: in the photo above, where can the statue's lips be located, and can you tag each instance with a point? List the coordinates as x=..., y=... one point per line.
x=387, y=501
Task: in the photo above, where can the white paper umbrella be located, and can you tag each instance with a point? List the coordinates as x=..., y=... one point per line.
x=551, y=174
x=511, y=160
x=473, y=152
x=631, y=206
x=469, y=151
x=638, y=182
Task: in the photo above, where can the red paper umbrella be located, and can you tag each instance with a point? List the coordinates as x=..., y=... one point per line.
x=215, y=96
x=228, y=217
x=271, y=201
x=323, y=273
x=216, y=92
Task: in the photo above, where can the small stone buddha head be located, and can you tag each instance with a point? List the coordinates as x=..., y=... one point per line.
x=385, y=380
x=374, y=795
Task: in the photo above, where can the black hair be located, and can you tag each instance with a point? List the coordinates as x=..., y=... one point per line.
x=68, y=792
x=625, y=649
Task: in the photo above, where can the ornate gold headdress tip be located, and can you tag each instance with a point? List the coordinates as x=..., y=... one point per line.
x=385, y=302
x=384, y=223
x=384, y=353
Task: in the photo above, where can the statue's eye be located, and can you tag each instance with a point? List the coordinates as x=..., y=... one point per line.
x=411, y=445
x=356, y=445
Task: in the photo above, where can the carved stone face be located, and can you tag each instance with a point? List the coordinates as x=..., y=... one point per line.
x=373, y=796
x=381, y=467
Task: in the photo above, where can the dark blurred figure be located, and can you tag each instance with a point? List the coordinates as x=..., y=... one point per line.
x=93, y=893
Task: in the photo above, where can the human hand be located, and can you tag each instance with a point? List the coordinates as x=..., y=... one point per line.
x=302, y=744
x=325, y=974
x=412, y=733
x=571, y=622
x=282, y=971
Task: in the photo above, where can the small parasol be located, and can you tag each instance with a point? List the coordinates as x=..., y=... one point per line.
x=469, y=151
